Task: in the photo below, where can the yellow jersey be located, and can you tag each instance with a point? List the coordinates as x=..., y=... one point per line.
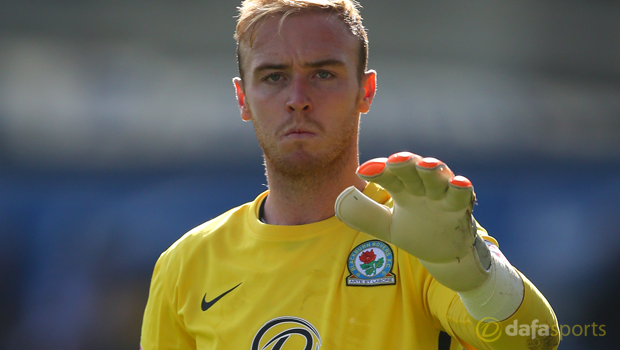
x=238, y=283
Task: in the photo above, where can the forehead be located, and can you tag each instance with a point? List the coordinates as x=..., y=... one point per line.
x=303, y=37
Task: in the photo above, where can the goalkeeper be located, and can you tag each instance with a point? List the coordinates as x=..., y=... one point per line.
x=334, y=255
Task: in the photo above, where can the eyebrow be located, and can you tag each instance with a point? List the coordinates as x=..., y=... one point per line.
x=323, y=63
x=315, y=64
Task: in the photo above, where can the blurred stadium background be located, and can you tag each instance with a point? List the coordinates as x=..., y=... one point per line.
x=119, y=132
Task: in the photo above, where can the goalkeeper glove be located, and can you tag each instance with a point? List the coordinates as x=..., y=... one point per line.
x=431, y=219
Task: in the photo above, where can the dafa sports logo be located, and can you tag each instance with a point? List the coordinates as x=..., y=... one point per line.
x=287, y=332
x=490, y=329
x=370, y=264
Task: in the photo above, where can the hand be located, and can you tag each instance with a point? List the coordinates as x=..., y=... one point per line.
x=430, y=219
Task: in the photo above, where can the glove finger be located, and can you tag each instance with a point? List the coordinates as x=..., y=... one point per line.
x=375, y=170
x=363, y=214
x=403, y=165
x=460, y=194
x=435, y=174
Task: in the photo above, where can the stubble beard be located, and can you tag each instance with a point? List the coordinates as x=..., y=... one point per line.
x=302, y=169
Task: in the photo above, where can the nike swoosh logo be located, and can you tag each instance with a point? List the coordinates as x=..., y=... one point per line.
x=207, y=304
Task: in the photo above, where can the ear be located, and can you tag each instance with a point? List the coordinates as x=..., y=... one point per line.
x=368, y=89
x=246, y=114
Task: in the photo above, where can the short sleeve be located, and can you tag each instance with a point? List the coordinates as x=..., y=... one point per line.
x=162, y=327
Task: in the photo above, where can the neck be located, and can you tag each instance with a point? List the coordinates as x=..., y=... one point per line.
x=306, y=199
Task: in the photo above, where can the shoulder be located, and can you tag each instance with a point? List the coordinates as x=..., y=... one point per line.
x=179, y=265
x=198, y=238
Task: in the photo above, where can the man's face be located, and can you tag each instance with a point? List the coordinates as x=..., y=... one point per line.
x=302, y=92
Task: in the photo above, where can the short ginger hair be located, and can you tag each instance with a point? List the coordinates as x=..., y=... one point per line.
x=252, y=13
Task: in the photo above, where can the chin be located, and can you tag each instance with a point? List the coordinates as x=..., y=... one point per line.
x=302, y=164
x=297, y=164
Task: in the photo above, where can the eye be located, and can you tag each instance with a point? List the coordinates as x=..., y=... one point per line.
x=273, y=77
x=324, y=74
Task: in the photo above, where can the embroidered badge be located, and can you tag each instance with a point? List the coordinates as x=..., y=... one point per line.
x=370, y=264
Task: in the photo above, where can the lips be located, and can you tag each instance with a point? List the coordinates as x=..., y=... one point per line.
x=298, y=133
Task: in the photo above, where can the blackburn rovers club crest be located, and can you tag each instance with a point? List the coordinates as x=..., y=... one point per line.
x=370, y=264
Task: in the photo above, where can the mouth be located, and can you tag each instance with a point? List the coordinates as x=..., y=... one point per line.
x=298, y=133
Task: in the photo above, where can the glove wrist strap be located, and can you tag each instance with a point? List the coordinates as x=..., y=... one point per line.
x=500, y=295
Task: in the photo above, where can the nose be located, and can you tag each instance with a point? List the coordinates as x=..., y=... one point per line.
x=299, y=99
